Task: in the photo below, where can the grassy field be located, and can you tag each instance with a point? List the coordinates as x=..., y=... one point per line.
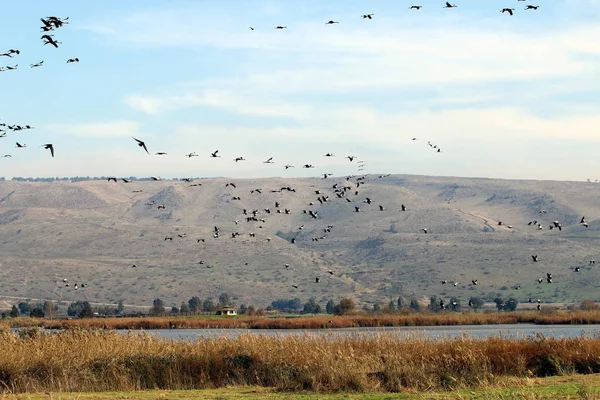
x=562, y=387
x=323, y=322
x=102, y=361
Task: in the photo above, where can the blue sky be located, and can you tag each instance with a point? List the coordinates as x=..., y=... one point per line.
x=505, y=97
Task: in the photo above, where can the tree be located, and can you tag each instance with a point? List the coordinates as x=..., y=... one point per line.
x=401, y=302
x=24, y=307
x=120, y=307
x=587, y=305
x=311, y=307
x=414, y=305
x=37, y=311
x=208, y=305
x=500, y=304
x=49, y=309
x=329, y=308
x=158, y=307
x=184, y=308
x=174, y=309
x=392, y=306
x=242, y=309
x=476, y=303
x=81, y=309
x=512, y=304
x=194, y=304
x=345, y=306
x=377, y=306
x=14, y=312
x=434, y=304
x=224, y=300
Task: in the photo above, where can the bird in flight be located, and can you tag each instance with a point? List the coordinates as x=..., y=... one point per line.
x=415, y=7
x=269, y=161
x=38, y=64
x=508, y=10
x=215, y=154
x=331, y=22
x=280, y=27
x=448, y=5
x=19, y=145
x=72, y=60
x=369, y=16
x=50, y=147
x=141, y=144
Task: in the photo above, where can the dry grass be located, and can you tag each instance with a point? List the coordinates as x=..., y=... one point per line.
x=101, y=360
x=321, y=322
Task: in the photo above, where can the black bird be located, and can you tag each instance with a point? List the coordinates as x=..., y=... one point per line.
x=215, y=154
x=534, y=258
x=280, y=27
x=448, y=5
x=49, y=146
x=141, y=144
x=72, y=60
x=317, y=279
x=415, y=7
x=38, y=64
x=530, y=7
x=369, y=16
x=331, y=22
x=111, y=179
x=508, y=10
x=403, y=207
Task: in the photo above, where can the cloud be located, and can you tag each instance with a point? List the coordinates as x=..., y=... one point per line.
x=98, y=129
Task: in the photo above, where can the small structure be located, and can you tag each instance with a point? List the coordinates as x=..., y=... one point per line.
x=226, y=311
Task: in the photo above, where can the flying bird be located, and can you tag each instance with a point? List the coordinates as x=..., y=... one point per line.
x=72, y=60
x=50, y=147
x=508, y=10
x=141, y=144
x=367, y=16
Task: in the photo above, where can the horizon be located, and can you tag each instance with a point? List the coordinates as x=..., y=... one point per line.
x=504, y=97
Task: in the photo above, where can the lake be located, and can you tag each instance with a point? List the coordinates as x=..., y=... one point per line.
x=519, y=331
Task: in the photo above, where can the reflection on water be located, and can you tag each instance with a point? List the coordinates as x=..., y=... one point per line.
x=520, y=331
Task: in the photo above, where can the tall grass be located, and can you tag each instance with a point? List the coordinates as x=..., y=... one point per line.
x=320, y=322
x=102, y=360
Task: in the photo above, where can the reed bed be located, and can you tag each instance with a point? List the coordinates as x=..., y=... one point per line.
x=322, y=322
x=97, y=360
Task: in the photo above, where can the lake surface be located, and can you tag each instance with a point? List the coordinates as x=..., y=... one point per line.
x=520, y=331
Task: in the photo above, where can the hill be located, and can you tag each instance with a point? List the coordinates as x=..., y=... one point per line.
x=94, y=232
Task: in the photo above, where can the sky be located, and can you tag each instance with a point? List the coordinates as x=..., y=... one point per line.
x=502, y=96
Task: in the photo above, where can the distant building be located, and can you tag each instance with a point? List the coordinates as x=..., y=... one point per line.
x=226, y=311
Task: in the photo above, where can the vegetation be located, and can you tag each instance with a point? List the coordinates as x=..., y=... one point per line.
x=561, y=387
x=102, y=360
x=251, y=320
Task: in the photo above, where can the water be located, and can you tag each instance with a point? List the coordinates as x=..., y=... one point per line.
x=520, y=331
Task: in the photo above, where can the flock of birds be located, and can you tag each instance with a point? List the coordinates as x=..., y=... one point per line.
x=49, y=24
x=343, y=191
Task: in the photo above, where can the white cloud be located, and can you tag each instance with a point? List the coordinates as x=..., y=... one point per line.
x=98, y=129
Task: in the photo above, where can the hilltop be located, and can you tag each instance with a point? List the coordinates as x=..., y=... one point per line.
x=94, y=232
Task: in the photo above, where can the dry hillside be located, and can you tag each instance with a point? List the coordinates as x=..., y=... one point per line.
x=94, y=232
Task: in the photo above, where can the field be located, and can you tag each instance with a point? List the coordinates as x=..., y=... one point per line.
x=99, y=360
x=578, y=317
x=562, y=387
x=94, y=232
